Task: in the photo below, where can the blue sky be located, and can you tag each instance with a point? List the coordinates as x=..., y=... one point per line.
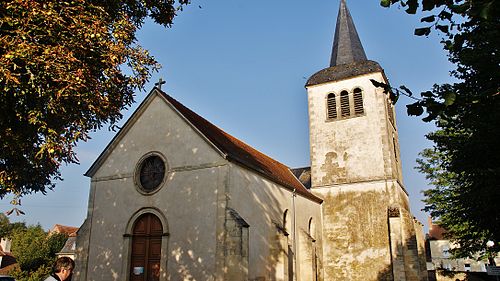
x=243, y=65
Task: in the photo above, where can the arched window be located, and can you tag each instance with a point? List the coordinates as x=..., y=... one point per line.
x=344, y=104
x=312, y=228
x=287, y=225
x=146, y=248
x=358, y=101
x=331, y=106
x=314, y=255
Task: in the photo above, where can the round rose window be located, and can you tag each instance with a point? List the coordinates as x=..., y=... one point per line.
x=151, y=173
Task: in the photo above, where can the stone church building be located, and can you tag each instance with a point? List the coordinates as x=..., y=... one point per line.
x=173, y=197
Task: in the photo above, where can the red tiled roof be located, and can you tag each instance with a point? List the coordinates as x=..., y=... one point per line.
x=238, y=151
x=436, y=232
x=68, y=230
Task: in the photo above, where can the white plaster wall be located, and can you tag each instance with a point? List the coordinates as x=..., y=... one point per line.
x=262, y=204
x=187, y=199
x=159, y=128
x=361, y=143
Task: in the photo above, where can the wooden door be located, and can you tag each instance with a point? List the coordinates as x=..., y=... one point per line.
x=146, y=249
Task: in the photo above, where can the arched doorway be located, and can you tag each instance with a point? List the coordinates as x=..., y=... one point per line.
x=146, y=248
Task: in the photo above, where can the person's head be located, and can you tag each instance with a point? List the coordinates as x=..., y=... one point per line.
x=63, y=267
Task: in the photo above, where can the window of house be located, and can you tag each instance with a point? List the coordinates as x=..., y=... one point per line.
x=286, y=223
x=344, y=104
x=331, y=105
x=467, y=267
x=446, y=251
x=358, y=101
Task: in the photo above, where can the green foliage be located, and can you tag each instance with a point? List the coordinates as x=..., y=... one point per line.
x=7, y=228
x=35, y=252
x=40, y=274
x=66, y=68
x=464, y=163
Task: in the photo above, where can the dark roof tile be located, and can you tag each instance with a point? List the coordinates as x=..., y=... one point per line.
x=343, y=71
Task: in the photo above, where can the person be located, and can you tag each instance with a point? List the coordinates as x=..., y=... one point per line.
x=62, y=269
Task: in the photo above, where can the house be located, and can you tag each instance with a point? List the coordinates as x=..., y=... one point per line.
x=443, y=266
x=7, y=260
x=69, y=247
x=174, y=197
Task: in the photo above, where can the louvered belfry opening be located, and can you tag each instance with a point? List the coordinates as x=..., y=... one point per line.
x=344, y=104
x=146, y=249
x=331, y=104
x=358, y=101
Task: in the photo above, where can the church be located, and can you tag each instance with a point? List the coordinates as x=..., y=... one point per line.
x=174, y=197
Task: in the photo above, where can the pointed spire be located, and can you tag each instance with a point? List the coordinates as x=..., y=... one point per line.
x=347, y=47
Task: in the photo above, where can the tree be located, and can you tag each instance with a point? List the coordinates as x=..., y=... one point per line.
x=66, y=68
x=35, y=251
x=464, y=163
x=6, y=227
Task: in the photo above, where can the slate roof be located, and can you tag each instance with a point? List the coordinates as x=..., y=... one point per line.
x=239, y=152
x=347, y=47
x=344, y=71
x=69, y=247
x=304, y=176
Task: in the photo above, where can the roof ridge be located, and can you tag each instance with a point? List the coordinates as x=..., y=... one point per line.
x=241, y=152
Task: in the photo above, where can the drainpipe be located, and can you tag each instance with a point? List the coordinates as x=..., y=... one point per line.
x=294, y=235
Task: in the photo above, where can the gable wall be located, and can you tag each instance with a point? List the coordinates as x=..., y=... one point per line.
x=186, y=202
x=157, y=128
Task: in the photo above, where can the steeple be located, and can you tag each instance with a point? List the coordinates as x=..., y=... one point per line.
x=347, y=47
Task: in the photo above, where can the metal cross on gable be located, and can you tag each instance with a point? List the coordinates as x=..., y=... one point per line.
x=159, y=83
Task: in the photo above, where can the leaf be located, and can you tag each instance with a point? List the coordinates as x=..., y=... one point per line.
x=377, y=84
x=414, y=109
x=424, y=31
x=449, y=98
x=412, y=7
x=385, y=3
x=428, y=19
x=428, y=5
x=445, y=15
x=404, y=88
x=459, y=9
x=486, y=10
x=442, y=28
x=426, y=94
x=394, y=96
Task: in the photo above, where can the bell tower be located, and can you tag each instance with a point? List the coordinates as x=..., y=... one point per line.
x=368, y=230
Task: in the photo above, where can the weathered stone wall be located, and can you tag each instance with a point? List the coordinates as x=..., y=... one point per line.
x=355, y=232
x=356, y=167
x=355, y=149
x=419, y=231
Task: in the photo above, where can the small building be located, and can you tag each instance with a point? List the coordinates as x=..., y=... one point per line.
x=441, y=264
x=69, y=247
x=7, y=260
